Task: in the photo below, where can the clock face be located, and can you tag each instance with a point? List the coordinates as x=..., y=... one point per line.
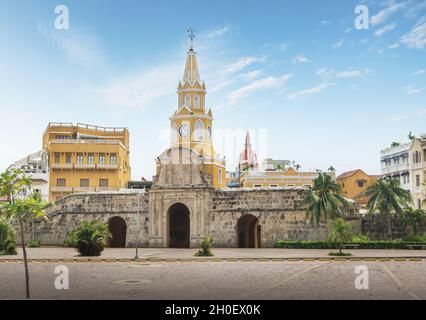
x=184, y=130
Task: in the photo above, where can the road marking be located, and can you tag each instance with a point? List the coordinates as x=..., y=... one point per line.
x=399, y=283
x=281, y=282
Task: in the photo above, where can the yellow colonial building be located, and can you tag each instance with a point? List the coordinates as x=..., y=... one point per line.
x=192, y=123
x=354, y=183
x=85, y=158
x=289, y=178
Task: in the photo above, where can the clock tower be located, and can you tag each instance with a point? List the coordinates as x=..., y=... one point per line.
x=191, y=123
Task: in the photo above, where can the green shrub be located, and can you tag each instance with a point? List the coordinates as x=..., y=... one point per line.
x=34, y=243
x=89, y=238
x=415, y=238
x=205, y=248
x=339, y=254
x=393, y=244
x=7, y=238
x=360, y=238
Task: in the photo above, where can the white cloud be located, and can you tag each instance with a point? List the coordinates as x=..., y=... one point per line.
x=325, y=22
x=394, y=46
x=140, y=90
x=257, y=85
x=411, y=90
x=301, y=59
x=80, y=46
x=408, y=115
x=348, y=30
x=339, y=44
x=419, y=72
x=215, y=33
x=416, y=38
x=384, y=14
x=240, y=64
x=307, y=92
x=251, y=74
x=324, y=72
x=349, y=74
x=283, y=46
x=385, y=29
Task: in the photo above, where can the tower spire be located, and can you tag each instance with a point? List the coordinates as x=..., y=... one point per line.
x=191, y=34
x=191, y=73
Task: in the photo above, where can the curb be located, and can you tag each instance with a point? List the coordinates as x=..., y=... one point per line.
x=216, y=260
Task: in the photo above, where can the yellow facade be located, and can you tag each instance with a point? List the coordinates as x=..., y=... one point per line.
x=355, y=182
x=191, y=123
x=84, y=158
x=278, y=179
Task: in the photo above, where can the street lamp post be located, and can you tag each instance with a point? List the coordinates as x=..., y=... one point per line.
x=137, y=227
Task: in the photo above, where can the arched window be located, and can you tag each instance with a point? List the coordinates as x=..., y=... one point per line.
x=196, y=101
x=174, y=132
x=199, y=130
x=188, y=101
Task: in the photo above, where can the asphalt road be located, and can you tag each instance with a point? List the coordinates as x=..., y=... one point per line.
x=219, y=280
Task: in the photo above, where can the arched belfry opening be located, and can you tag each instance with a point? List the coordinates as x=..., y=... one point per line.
x=178, y=226
x=117, y=228
x=249, y=232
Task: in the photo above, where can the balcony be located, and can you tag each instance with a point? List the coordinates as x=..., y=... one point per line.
x=83, y=189
x=84, y=166
x=86, y=141
x=107, y=166
x=62, y=166
x=61, y=189
x=106, y=189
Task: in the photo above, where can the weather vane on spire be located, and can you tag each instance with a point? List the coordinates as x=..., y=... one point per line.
x=191, y=33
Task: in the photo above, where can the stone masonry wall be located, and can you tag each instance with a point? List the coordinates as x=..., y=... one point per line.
x=278, y=211
x=69, y=211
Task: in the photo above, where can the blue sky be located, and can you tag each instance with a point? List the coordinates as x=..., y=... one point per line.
x=309, y=86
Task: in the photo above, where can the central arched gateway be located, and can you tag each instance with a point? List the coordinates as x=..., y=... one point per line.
x=117, y=228
x=248, y=232
x=178, y=226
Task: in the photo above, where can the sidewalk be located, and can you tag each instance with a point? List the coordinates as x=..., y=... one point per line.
x=169, y=255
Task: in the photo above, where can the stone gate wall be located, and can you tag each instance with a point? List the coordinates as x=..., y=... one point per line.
x=69, y=211
x=278, y=211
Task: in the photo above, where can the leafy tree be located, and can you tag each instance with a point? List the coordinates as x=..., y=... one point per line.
x=412, y=218
x=387, y=197
x=323, y=200
x=89, y=238
x=7, y=238
x=341, y=232
x=15, y=184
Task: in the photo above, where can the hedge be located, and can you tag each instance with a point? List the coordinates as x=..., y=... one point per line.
x=394, y=244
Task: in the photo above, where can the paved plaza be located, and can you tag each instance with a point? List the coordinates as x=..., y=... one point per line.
x=218, y=280
x=223, y=253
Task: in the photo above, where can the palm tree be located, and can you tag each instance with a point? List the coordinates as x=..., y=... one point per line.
x=387, y=197
x=323, y=200
x=413, y=218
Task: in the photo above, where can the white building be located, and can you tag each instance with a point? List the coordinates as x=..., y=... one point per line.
x=36, y=166
x=273, y=165
x=418, y=172
x=407, y=163
x=395, y=163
